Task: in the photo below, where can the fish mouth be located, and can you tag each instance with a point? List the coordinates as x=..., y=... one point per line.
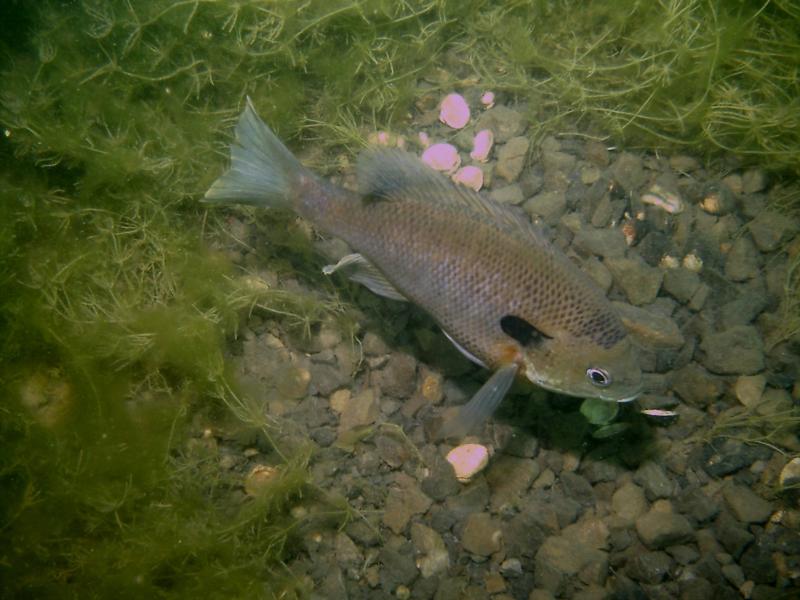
x=533, y=377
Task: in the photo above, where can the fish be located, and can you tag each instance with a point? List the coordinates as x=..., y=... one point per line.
x=504, y=295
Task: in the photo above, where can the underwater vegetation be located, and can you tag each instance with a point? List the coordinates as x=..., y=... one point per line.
x=119, y=298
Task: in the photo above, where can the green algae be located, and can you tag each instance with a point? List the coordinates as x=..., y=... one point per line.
x=116, y=309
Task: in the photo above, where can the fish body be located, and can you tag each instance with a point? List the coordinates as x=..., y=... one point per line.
x=507, y=298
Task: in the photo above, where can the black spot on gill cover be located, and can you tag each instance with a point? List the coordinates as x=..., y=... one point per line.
x=522, y=331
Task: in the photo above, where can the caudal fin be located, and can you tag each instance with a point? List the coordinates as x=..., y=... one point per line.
x=263, y=172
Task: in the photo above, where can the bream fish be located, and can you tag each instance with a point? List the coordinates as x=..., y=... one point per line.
x=504, y=295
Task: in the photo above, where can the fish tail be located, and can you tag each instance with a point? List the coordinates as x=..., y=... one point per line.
x=263, y=171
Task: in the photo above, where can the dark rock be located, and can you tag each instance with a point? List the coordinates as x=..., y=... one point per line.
x=742, y=262
x=681, y=283
x=399, y=377
x=659, y=529
x=745, y=505
x=482, y=534
x=441, y=482
x=553, y=160
x=405, y=499
x=639, y=281
x=548, y=205
x=510, y=194
x=473, y=498
x=654, y=480
x=578, y=488
x=628, y=171
x=504, y=122
x=607, y=243
x=525, y=532
x=697, y=506
x=398, y=566
x=770, y=229
x=743, y=310
x=696, y=386
x=509, y=478
x=758, y=563
x=650, y=328
x=737, y=351
x=683, y=554
x=432, y=556
x=732, y=535
x=753, y=180
x=560, y=558
x=724, y=457
x=629, y=502
x=511, y=158
x=649, y=567
x=696, y=588
x=654, y=246
x=326, y=379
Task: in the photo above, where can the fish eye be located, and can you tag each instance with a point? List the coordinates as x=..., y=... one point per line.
x=598, y=377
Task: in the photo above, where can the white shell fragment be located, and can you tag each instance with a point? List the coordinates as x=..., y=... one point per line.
x=663, y=199
x=442, y=157
x=470, y=176
x=468, y=460
x=692, y=262
x=454, y=111
x=482, y=145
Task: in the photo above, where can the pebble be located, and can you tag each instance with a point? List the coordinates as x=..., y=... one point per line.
x=433, y=557
x=606, y=243
x=482, y=534
x=745, y=504
x=511, y=158
x=654, y=480
x=560, y=558
x=404, y=500
x=681, y=283
x=361, y=410
x=790, y=474
x=696, y=386
x=698, y=506
x=649, y=328
x=629, y=502
x=629, y=171
x=639, y=281
x=397, y=567
x=649, y=567
x=742, y=261
x=548, y=205
x=399, y=377
x=770, y=229
x=510, y=194
x=737, y=351
x=753, y=180
x=748, y=389
x=509, y=479
x=504, y=122
x=661, y=528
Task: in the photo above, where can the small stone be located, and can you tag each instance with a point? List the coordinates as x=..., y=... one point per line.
x=511, y=158
x=683, y=163
x=734, y=574
x=555, y=161
x=650, y=328
x=339, y=400
x=511, y=567
x=560, y=558
x=639, y=281
x=510, y=194
x=607, y=243
x=596, y=153
x=748, y=389
x=361, y=410
x=482, y=535
x=696, y=386
x=790, y=474
x=742, y=261
x=753, y=180
x=374, y=345
x=432, y=554
x=404, y=500
x=718, y=200
x=327, y=378
x=494, y=583
x=549, y=205
x=770, y=229
x=681, y=284
x=649, y=567
x=504, y=122
x=441, y=482
x=628, y=171
x=654, y=480
x=737, y=351
x=589, y=174
x=259, y=479
x=347, y=553
x=697, y=506
x=590, y=532
x=509, y=479
x=629, y=502
x=399, y=377
x=397, y=567
x=658, y=529
x=734, y=183
x=745, y=505
x=732, y=535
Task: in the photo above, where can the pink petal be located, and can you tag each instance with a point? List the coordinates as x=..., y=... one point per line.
x=482, y=145
x=424, y=140
x=470, y=176
x=454, y=111
x=442, y=157
x=488, y=99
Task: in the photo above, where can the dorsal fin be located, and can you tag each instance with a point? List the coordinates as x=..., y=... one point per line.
x=396, y=175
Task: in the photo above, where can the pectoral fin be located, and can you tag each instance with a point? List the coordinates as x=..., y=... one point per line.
x=482, y=405
x=363, y=272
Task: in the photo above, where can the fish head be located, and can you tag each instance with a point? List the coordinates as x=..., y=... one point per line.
x=579, y=367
